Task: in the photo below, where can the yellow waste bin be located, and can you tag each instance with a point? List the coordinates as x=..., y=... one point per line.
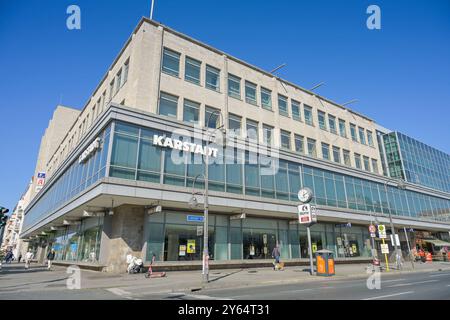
x=325, y=263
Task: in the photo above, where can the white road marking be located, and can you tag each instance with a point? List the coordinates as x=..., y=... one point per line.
x=121, y=293
x=200, y=297
x=411, y=283
x=384, y=281
x=440, y=275
x=388, y=295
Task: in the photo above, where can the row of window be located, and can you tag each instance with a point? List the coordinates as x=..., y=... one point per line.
x=168, y=106
x=171, y=65
x=115, y=85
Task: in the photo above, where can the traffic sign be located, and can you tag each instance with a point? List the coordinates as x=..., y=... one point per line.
x=382, y=231
x=307, y=214
x=372, y=229
x=384, y=248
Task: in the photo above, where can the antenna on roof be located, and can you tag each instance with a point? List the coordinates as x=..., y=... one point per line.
x=316, y=86
x=350, y=102
x=278, y=68
x=151, y=9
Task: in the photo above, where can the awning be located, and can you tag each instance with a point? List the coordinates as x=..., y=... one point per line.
x=437, y=242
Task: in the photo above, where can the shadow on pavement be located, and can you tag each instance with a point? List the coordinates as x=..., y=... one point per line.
x=226, y=275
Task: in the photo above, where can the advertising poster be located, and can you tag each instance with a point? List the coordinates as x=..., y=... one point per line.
x=182, y=251
x=191, y=246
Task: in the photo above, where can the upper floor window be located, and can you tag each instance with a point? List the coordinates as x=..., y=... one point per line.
x=353, y=132
x=299, y=141
x=211, y=117
x=342, y=129
x=126, y=67
x=325, y=151
x=370, y=138
x=191, y=111
x=192, y=70
x=321, y=117
x=118, y=81
x=111, y=90
x=234, y=86
x=362, y=136
x=332, y=123
x=266, y=98
x=358, y=161
x=250, y=93
x=234, y=123
x=252, y=130
x=308, y=115
x=285, y=139
x=375, y=165
x=168, y=105
x=366, y=163
x=283, y=105
x=337, y=154
x=312, y=147
x=346, y=155
x=171, y=62
x=295, y=106
x=268, y=135
x=212, y=78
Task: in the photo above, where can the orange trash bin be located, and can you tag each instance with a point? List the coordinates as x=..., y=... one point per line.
x=325, y=263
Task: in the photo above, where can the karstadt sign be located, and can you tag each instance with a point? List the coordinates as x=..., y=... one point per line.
x=176, y=144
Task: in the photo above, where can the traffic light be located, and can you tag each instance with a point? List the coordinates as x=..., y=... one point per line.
x=3, y=211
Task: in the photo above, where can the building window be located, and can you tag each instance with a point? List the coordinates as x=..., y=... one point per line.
x=336, y=154
x=104, y=100
x=211, y=116
x=325, y=151
x=125, y=71
x=346, y=154
x=362, y=136
x=375, y=165
x=234, y=86
x=192, y=70
x=234, y=123
x=212, y=78
x=308, y=115
x=332, y=123
x=321, y=117
x=358, y=161
x=366, y=163
x=342, y=129
x=283, y=105
x=266, y=98
x=312, y=147
x=118, y=81
x=252, y=130
x=285, y=139
x=191, y=111
x=171, y=62
x=295, y=106
x=168, y=105
x=111, y=90
x=353, y=132
x=299, y=140
x=268, y=135
x=250, y=93
x=370, y=138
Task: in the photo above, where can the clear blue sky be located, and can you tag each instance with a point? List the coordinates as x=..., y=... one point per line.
x=400, y=74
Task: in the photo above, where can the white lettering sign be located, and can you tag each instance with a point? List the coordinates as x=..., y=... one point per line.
x=93, y=147
x=167, y=142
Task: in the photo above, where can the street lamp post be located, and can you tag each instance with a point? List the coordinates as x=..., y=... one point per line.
x=205, y=258
x=391, y=223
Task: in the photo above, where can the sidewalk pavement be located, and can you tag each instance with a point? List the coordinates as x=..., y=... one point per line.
x=15, y=277
x=182, y=281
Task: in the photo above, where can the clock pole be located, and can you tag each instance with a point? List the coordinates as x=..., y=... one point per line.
x=305, y=195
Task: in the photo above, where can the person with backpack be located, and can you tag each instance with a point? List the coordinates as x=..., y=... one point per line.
x=50, y=258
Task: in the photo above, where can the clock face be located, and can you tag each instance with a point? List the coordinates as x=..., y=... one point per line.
x=305, y=195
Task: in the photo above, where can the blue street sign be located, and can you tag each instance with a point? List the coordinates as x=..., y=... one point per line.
x=41, y=175
x=194, y=218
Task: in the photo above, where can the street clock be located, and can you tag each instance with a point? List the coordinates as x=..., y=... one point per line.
x=305, y=195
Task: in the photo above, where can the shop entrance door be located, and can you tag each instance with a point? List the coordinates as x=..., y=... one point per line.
x=258, y=244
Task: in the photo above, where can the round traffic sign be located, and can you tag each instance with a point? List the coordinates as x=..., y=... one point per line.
x=372, y=229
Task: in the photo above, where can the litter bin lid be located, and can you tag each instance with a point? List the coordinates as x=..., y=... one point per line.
x=324, y=251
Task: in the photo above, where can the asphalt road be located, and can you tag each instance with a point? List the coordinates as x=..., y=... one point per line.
x=36, y=284
x=416, y=286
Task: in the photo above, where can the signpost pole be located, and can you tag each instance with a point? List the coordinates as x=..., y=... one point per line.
x=409, y=248
x=311, y=264
x=386, y=258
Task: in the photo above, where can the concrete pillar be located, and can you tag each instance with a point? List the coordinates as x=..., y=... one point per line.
x=123, y=234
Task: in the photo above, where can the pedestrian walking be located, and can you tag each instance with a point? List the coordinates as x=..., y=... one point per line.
x=28, y=257
x=276, y=256
x=50, y=258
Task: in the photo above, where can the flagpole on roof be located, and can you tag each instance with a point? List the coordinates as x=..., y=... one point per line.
x=151, y=9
